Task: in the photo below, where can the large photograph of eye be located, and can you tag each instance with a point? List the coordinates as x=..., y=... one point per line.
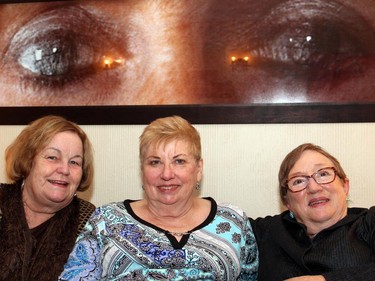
x=202, y=54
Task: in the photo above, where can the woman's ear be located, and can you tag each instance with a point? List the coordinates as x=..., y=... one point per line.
x=286, y=201
x=346, y=186
x=200, y=170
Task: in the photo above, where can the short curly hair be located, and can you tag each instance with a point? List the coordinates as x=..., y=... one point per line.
x=168, y=129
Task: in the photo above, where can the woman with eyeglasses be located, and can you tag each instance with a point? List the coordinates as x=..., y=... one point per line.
x=318, y=237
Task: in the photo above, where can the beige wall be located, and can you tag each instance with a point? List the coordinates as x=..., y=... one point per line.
x=240, y=161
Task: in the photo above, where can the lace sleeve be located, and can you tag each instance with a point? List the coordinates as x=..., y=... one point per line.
x=85, y=211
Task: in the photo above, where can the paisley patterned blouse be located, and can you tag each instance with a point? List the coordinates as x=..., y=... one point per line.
x=118, y=245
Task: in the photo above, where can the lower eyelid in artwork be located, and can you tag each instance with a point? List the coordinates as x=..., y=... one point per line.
x=338, y=66
x=76, y=89
x=105, y=67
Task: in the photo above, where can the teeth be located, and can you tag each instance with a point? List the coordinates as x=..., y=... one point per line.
x=167, y=187
x=318, y=202
x=58, y=182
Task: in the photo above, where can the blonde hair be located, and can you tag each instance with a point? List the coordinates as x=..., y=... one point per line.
x=20, y=154
x=168, y=129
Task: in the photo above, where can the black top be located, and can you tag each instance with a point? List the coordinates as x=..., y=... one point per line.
x=39, y=253
x=174, y=242
x=344, y=251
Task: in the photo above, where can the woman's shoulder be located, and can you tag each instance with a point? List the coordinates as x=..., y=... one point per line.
x=4, y=186
x=368, y=213
x=85, y=211
x=85, y=206
x=268, y=220
x=230, y=207
x=9, y=191
x=117, y=208
x=357, y=212
x=226, y=206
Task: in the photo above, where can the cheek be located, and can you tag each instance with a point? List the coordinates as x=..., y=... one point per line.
x=79, y=176
x=190, y=175
x=339, y=194
x=293, y=201
x=149, y=175
x=40, y=170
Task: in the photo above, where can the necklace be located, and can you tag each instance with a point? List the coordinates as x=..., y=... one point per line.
x=177, y=234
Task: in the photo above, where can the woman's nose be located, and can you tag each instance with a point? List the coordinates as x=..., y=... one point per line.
x=167, y=172
x=64, y=168
x=313, y=186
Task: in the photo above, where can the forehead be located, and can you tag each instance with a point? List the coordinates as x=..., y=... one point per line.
x=66, y=140
x=173, y=146
x=309, y=161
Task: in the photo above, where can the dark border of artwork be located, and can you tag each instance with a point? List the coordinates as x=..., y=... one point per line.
x=197, y=114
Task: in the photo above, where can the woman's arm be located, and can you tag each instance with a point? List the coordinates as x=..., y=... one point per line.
x=84, y=260
x=250, y=258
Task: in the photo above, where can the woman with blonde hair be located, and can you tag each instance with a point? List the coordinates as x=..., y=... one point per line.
x=172, y=233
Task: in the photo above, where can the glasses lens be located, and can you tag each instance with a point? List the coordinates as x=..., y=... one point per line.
x=325, y=175
x=297, y=183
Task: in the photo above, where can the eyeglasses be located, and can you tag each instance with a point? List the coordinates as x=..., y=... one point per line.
x=322, y=176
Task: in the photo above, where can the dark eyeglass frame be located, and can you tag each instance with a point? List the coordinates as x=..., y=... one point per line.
x=311, y=177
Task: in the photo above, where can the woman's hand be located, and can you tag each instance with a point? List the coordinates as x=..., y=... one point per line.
x=307, y=278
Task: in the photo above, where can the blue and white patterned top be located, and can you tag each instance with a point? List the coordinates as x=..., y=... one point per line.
x=118, y=245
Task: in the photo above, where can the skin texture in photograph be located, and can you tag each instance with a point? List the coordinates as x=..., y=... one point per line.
x=142, y=52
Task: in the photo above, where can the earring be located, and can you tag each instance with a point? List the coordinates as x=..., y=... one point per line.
x=197, y=186
x=291, y=214
x=347, y=200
